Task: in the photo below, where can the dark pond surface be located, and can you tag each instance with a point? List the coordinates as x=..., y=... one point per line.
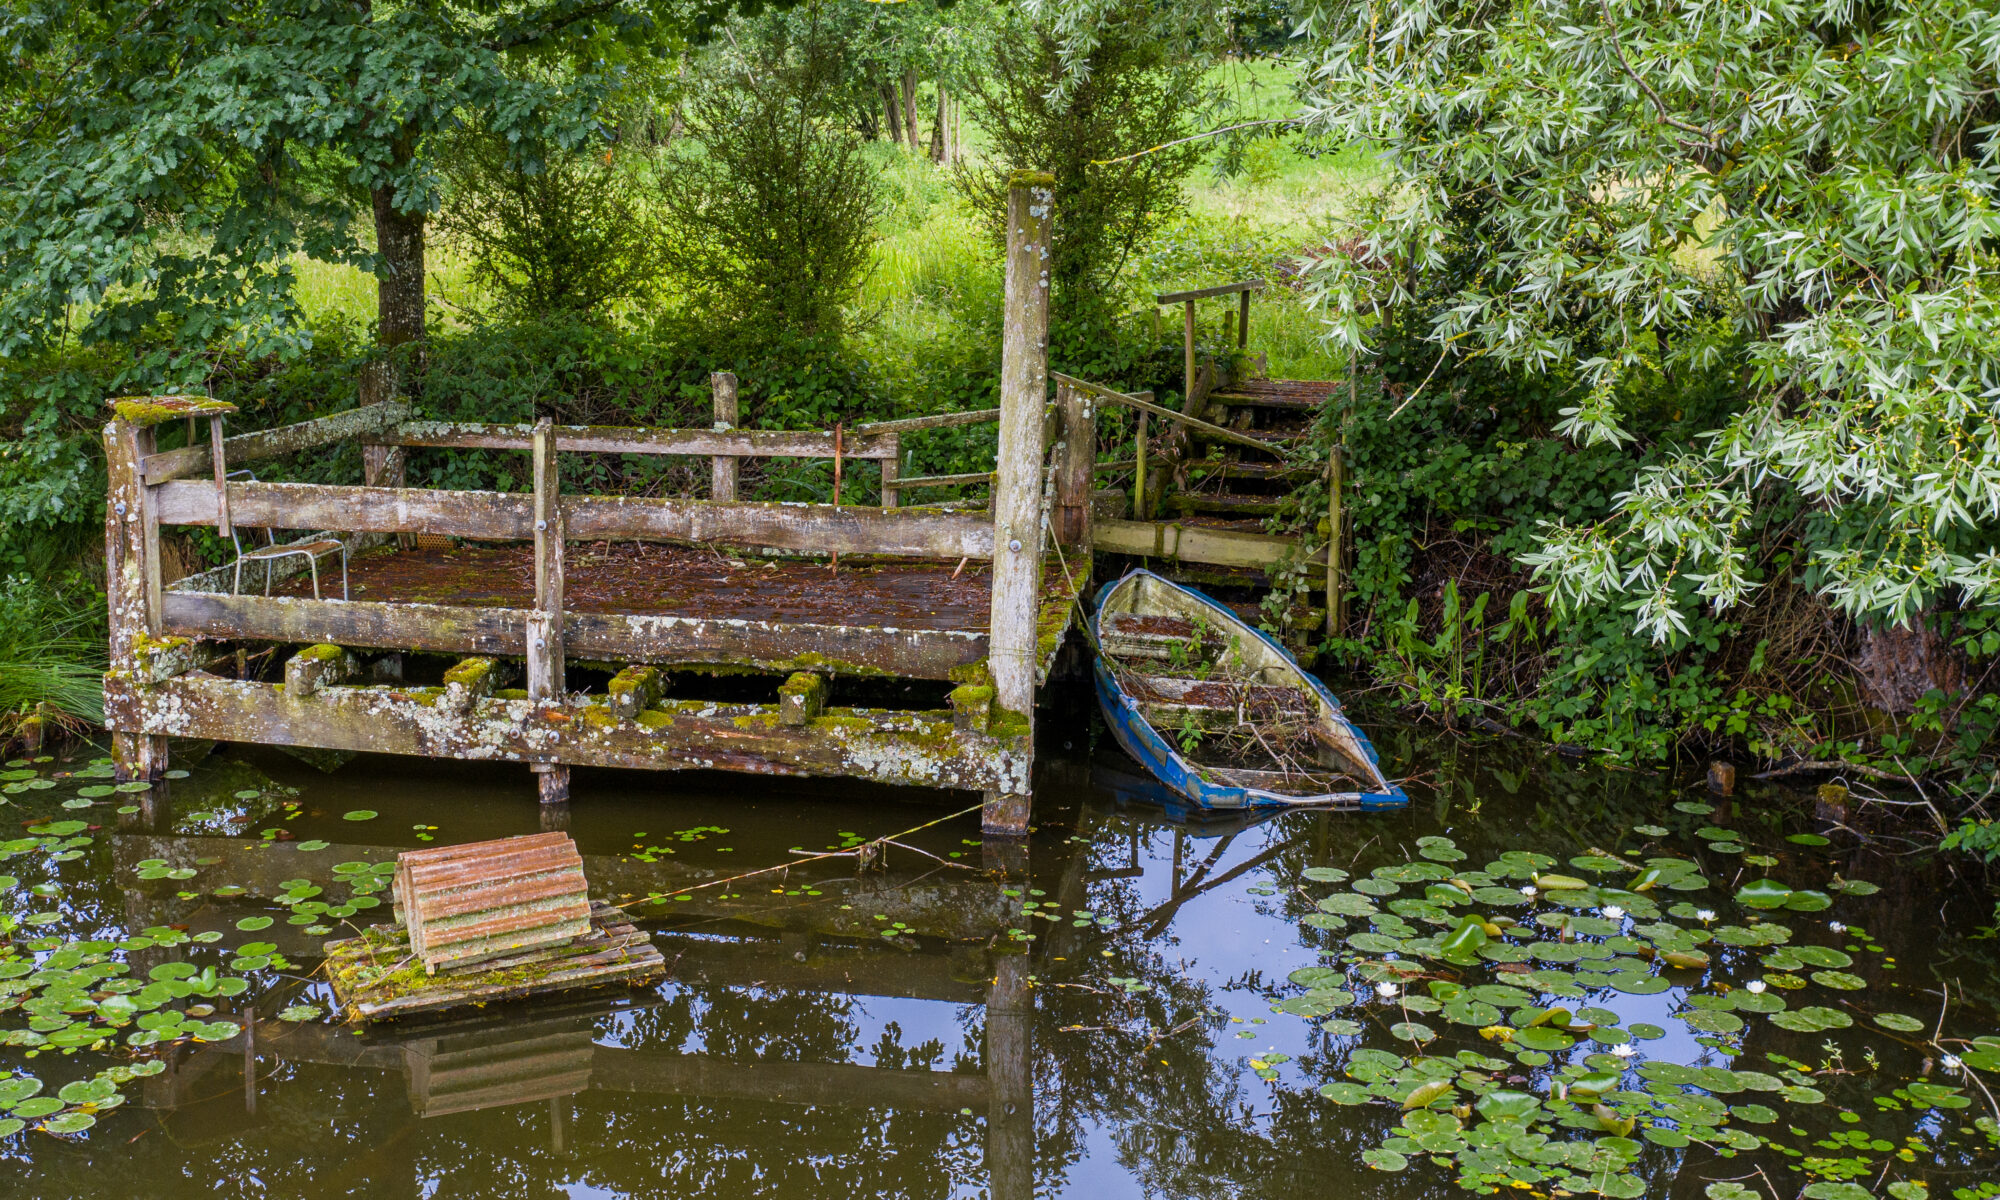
x=899, y=1033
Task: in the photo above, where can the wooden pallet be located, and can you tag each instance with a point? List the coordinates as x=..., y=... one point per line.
x=375, y=977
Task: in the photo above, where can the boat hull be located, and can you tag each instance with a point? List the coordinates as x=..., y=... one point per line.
x=1137, y=737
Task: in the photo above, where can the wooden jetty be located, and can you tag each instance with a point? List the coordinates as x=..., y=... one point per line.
x=895, y=605
x=610, y=611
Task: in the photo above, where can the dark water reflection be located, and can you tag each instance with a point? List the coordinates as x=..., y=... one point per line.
x=795, y=1051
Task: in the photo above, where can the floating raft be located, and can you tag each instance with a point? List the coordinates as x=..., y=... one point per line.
x=376, y=977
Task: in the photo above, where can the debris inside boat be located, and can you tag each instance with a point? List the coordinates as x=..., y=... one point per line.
x=1218, y=711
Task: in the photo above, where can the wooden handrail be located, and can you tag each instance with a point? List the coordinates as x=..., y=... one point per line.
x=642, y=439
x=1225, y=289
x=190, y=461
x=509, y=516
x=978, y=416
x=1160, y=410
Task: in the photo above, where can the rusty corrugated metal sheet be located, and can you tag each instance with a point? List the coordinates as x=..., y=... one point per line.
x=466, y=904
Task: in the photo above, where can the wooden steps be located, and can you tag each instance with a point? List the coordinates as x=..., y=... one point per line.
x=1225, y=504
x=1294, y=395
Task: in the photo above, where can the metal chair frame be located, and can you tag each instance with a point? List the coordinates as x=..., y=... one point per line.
x=271, y=552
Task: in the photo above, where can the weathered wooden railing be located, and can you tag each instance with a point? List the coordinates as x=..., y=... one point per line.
x=155, y=687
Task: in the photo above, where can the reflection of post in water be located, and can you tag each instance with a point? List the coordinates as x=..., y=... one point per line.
x=1010, y=1113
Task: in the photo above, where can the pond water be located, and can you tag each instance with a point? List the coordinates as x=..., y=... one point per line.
x=1139, y=1003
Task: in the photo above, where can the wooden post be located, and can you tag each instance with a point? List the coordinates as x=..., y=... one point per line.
x=1336, y=479
x=891, y=469
x=545, y=623
x=131, y=583
x=1078, y=456
x=1017, y=491
x=1139, y=474
x=1187, y=358
x=723, y=468
x=1243, y=324
x=222, y=529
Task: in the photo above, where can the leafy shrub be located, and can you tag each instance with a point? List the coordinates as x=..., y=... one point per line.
x=770, y=203
x=549, y=230
x=1130, y=94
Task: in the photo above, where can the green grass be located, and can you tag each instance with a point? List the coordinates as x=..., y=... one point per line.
x=935, y=275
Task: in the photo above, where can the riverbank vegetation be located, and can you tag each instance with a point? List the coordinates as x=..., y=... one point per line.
x=1665, y=356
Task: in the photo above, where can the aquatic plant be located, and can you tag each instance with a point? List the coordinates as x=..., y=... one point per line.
x=1515, y=989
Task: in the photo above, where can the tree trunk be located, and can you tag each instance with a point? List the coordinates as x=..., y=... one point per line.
x=399, y=282
x=910, y=108
x=1900, y=663
x=940, y=144
x=957, y=129
x=893, y=108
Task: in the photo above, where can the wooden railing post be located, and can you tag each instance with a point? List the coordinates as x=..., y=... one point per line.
x=545, y=623
x=723, y=468
x=892, y=469
x=1336, y=480
x=131, y=583
x=1017, y=491
x=1076, y=458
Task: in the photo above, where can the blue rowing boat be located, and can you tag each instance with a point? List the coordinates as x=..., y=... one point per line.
x=1219, y=712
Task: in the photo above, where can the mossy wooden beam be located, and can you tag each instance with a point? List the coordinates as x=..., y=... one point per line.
x=774, y=646
x=505, y=516
x=190, y=461
x=914, y=748
x=318, y=667
x=801, y=698
x=1195, y=543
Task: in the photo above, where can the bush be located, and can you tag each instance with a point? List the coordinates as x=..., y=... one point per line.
x=549, y=231
x=1131, y=94
x=770, y=203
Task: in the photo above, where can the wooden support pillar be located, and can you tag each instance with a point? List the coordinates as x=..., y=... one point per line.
x=892, y=469
x=634, y=690
x=316, y=668
x=1139, y=471
x=801, y=698
x=722, y=468
x=382, y=466
x=1010, y=1116
x=1074, y=463
x=1187, y=358
x=1243, y=323
x=132, y=583
x=546, y=684
x=1336, y=481
x=1017, y=490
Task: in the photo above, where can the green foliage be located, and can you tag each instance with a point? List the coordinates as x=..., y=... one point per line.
x=770, y=203
x=51, y=649
x=1132, y=92
x=1800, y=197
x=549, y=231
x=167, y=160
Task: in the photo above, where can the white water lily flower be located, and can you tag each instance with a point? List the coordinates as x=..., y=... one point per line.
x=1952, y=1064
x=1623, y=1050
x=1755, y=987
x=1613, y=911
x=1836, y=926
x=1386, y=989
x=1528, y=890
x=1705, y=915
